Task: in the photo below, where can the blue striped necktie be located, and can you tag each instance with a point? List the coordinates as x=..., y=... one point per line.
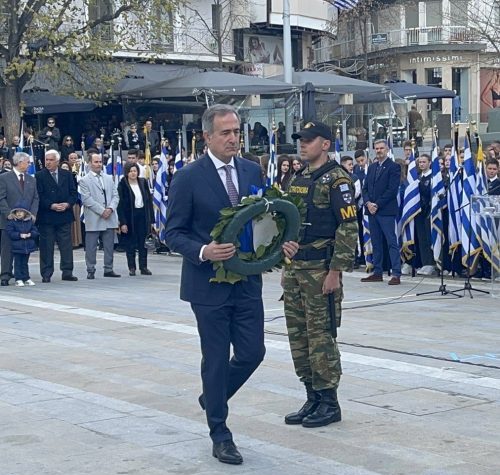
x=231, y=189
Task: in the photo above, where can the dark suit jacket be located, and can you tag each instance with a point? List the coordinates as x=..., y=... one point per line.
x=494, y=187
x=11, y=195
x=384, y=190
x=154, y=141
x=196, y=196
x=50, y=192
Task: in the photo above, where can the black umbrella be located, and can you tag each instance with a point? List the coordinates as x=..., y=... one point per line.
x=309, y=103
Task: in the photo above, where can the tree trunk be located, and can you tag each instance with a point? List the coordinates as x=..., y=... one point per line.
x=10, y=99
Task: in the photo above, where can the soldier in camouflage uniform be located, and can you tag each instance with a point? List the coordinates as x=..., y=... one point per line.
x=313, y=281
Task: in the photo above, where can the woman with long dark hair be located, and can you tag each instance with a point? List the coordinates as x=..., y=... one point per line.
x=67, y=147
x=284, y=172
x=135, y=214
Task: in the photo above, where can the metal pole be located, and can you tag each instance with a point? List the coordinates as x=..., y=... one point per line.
x=287, y=63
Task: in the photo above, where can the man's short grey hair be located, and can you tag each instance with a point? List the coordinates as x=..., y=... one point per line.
x=207, y=121
x=381, y=141
x=53, y=152
x=20, y=157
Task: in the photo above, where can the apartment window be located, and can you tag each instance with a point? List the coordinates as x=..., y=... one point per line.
x=165, y=39
x=374, y=22
x=434, y=13
x=216, y=17
x=411, y=15
x=97, y=10
x=458, y=12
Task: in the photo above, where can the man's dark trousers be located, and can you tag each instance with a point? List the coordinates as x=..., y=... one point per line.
x=238, y=321
x=49, y=235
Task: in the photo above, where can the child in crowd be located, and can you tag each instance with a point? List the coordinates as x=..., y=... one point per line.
x=22, y=232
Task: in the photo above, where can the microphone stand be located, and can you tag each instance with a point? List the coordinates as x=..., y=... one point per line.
x=442, y=290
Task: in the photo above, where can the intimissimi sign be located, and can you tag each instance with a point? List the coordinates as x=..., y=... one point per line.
x=436, y=59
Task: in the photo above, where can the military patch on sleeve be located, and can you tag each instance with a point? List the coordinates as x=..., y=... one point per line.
x=344, y=187
x=347, y=197
x=342, y=181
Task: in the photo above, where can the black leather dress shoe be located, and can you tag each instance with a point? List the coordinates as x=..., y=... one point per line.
x=111, y=274
x=201, y=401
x=70, y=278
x=91, y=275
x=46, y=280
x=227, y=452
x=131, y=272
x=4, y=283
x=146, y=271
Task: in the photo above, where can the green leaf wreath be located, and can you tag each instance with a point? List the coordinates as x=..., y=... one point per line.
x=289, y=219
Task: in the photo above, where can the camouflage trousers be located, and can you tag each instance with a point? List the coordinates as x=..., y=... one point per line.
x=315, y=353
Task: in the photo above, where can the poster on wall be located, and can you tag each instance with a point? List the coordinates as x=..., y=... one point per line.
x=490, y=91
x=263, y=49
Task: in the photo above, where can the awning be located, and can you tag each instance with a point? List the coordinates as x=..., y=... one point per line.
x=43, y=102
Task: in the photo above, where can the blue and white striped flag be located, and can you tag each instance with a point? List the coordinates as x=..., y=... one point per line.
x=438, y=202
x=272, y=166
x=160, y=195
x=390, y=154
x=411, y=207
x=454, y=203
x=471, y=245
x=345, y=4
x=367, y=241
x=29, y=150
x=338, y=148
x=179, y=162
x=114, y=169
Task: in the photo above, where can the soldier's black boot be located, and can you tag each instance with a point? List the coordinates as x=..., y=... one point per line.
x=327, y=411
x=309, y=407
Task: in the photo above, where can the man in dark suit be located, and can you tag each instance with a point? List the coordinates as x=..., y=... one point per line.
x=226, y=314
x=380, y=192
x=58, y=194
x=151, y=137
x=492, y=175
x=15, y=186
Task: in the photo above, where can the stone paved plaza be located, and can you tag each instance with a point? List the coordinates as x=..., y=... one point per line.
x=102, y=377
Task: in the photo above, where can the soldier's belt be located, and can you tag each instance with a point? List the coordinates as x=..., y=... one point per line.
x=310, y=254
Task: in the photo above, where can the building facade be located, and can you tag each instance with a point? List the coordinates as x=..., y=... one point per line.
x=443, y=43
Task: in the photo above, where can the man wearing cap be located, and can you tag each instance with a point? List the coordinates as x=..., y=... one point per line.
x=313, y=281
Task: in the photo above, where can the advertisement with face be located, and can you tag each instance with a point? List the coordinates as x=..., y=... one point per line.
x=490, y=91
x=263, y=49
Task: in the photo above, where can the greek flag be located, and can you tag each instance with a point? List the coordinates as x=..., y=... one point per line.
x=391, y=149
x=367, y=241
x=486, y=225
x=471, y=244
x=345, y=4
x=411, y=207
x=337, y=148
x=454, y=202
x=29, y=150
x=160, y=195
x=178, y=163
x=437, y=204
x=272, y=166
x=114, y=169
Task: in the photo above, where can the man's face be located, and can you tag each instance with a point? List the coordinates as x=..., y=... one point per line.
x=22, y=166
x=132, y=158
x=311, y=150
x=348, y=165
x=51, y=122
x=407, y=152
x=224, y=141
x=96, y=163
x=98, y=143
x=447, y=152
x=424, y=164
x=16, y=140
x=149, y=125
x=361, y=161
x=51, y=162
x=381, y=151
x=492, y=171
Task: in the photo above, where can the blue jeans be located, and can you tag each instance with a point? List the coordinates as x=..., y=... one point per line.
x=380, y=227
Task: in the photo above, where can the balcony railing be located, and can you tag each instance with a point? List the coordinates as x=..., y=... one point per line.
x=398, y=39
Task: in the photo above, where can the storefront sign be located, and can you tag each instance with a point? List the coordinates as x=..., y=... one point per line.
x=436, y=59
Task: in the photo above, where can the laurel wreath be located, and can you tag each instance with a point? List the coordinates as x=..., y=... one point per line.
x=288, y=212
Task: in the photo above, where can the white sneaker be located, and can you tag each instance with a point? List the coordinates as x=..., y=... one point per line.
x=406, y=269
x=426, y=270
x=29, y=282
x=19, y=283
